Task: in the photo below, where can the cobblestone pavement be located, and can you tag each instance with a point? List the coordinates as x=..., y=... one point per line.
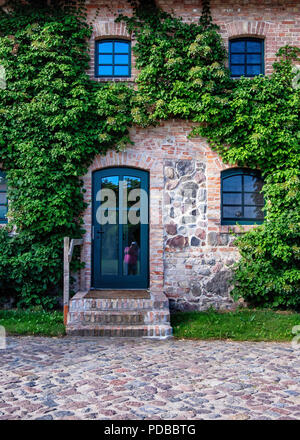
x=90, y=378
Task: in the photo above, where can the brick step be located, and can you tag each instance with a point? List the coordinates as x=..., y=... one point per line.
x=160, y=331
x=86, y=304
x=111, y=317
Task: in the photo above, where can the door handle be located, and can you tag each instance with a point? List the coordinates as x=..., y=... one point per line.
x=100, y=231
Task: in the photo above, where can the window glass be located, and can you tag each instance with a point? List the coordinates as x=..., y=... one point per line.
x=242, y=199
x=113, y=58
x=121, y=47
x=105, y=47
x=3, y=197
x=232, y=183
x=246, y=57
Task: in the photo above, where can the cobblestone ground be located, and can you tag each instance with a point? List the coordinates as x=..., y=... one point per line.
x=90, y=378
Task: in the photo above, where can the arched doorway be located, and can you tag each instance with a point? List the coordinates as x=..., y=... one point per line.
x=120, y=229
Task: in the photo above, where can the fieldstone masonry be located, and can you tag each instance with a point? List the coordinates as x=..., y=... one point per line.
x=191, y=281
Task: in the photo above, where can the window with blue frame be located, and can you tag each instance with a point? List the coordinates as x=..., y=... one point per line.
x=241, y=197
x=246, y=57
x=113, y=58
x=3, y=197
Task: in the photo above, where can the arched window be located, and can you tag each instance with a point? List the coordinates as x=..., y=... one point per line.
x=3, y=197
x=241, y=198
x=246, y=57
x=113, y=58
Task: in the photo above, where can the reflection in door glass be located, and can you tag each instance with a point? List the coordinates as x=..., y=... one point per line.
x=131, y=246
x=111, y=182
x=109, y=249
x=132, y=183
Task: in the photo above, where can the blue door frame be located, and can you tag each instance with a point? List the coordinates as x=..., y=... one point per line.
x=110, y=243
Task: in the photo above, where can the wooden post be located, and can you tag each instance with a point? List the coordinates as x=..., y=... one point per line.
x=66, y=277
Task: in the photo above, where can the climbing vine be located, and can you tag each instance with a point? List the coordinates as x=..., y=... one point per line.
x=54, y=120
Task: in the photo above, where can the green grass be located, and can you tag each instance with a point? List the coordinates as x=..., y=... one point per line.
x=241, y=325
x=38, y=323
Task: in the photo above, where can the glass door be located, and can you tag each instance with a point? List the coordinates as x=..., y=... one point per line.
x=120, y=228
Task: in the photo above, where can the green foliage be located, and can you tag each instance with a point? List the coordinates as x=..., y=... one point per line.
x=35, y=322
x=240, y=325
x=182, y=66
x=53, y=120
x=268, y=272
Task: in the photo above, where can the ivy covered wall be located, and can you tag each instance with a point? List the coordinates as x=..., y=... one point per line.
x=54, y=120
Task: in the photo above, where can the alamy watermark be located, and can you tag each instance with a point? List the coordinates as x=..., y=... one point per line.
x=296, y=338
x=296, y=79
x=2, y=77
x=2, y=338
x=122, y=206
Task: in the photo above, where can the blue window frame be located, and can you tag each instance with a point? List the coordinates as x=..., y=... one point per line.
x=241, y=197
x=113, y=58
x=246, y=57
x=3, y=197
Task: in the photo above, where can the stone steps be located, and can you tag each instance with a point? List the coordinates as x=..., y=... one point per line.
x=117, y=304
x=119, y=317
x=130, y=331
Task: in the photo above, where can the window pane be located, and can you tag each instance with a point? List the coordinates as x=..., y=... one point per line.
x=238, y=70
x=3, y=183
x=3, y=199
x=121, y=47
x=105, y=59
x=111, y=182
x=254, y=46
x=253, y=199
x=238, y=59
x=3, y=211
x=131, y=249
x=237, y=46
x=252, y=183
x=253, y=59
x=232, y=212
x=232, y=199
x=133, y=198
x=253, y=69
x=105, y=47
x=110, y=249
x=121, y=59
x=121, y=71
x=105, y=70
x=253, y=212
x=232, y=183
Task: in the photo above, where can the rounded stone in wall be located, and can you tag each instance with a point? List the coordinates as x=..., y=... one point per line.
x=185, y=167
x=178, y=242
x=169, y=173
x=195, y=241
x=190, y=189
x=171, y=229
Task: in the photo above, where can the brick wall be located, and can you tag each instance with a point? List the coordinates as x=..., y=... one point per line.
x=276, y=21
x=191, y=252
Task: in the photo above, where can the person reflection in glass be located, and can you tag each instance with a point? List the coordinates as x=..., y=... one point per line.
x=131, y=254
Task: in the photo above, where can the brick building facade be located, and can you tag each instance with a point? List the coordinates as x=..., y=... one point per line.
x=190, y=253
